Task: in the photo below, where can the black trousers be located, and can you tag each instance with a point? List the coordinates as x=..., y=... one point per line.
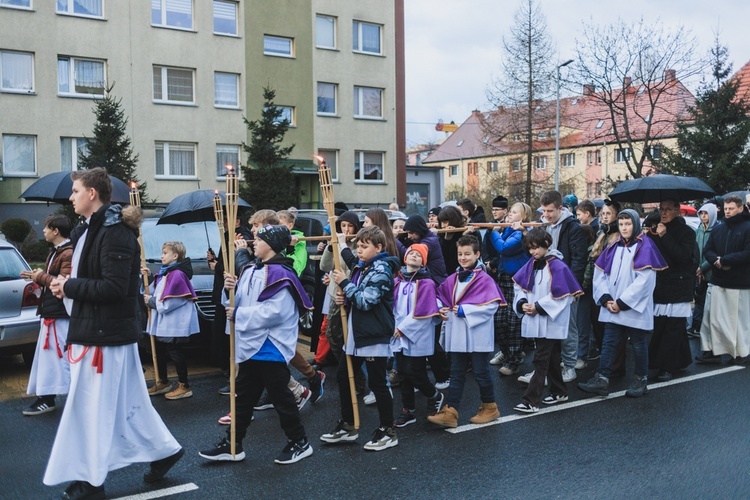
x=414, y=373
x=219, y=339
x=439, y=361
x=171, y=351
x=376, y=379
x=546, y=364
x=252, y=378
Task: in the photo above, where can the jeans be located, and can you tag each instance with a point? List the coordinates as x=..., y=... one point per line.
x=613, y=336
x=570, y=344
x=700, y=301
x=583, y=320
x=480, y=362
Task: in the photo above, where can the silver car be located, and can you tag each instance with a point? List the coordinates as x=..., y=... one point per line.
x=19, y=298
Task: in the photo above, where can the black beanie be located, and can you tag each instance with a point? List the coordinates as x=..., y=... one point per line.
x=500, y=202
x=416, y=224
x=277, y=237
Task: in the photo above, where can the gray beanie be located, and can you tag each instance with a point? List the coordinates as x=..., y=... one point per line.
x=633, y=216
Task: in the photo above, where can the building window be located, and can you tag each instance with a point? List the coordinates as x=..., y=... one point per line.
x=174, y=159
x=326, y=98
x=287, y=114
x=594, y=157
x=515, y=165
x=622, y=155
x=227, y=155
x=593, y=189
x=226, y=90
x=540, y=162
x=472, y=168
x=600, y=124
x=278, y=46
x=173, y=85
x=80, y=77
x=325, y=32
x=87, y=8
x=17, y=72
x=368, y=166
x=172, y=14
x=516, y=137
x=20, y=4
x=331, y=157
x=568, y=160
x=19, y=155
x=656, y=152
x=491, y=167
x=453, y=171
x=368, y=102
x=366, y=37
x=71, y=149
x=225, y=18
x=541, y=135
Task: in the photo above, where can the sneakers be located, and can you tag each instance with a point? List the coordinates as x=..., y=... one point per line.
x=343, y=432
x=435, y=404
x=498, y=358
x=508, y=370
x=263, y=403
x=526, y=408
x=369, y=398
x=598, y=385
x=638, y=388
x=525, y=379
x=316, y=386
x=382, y=439
x=486, y=414
x=664, y=376
x=581, y=364
x=223, y=452
x=303, y=398
x=226, y=419
x=594, y=354
x=694, y=333
x=41, y=405
x=181, y=391
x=82, y=489
x=394, y=378
x=159, y=468
x=294, y=451
x=553, y=399
x=441, y=386
x=161, y=387
x=405, y=418
x=569, y=374
x=224, y=391
x=708, y=357
x=446, y=417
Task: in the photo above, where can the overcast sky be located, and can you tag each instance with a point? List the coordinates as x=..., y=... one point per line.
x=453, y=47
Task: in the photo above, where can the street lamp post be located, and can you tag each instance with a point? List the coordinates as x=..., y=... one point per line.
x=557, y=127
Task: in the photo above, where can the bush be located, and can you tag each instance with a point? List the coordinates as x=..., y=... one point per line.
x=16, y=230
x=36, y=251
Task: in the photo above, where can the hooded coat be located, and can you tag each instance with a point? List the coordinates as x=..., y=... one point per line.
x=570, y=242
x=435, y=263
x=701, y=237
x=731, y=242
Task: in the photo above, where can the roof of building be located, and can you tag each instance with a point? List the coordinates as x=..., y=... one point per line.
x=743, y=75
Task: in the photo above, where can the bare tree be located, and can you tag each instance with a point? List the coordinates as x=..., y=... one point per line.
x=522, y=93
x=631, y=71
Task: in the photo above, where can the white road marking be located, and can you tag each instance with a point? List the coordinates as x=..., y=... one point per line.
x=594, y=399
x=174, y=490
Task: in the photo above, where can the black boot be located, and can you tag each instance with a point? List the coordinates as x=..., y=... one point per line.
x=80, y=490
x=160, y=468
x=638, y=388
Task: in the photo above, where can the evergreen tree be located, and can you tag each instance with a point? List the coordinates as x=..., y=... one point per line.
x=110, y=147
x=268, y=178
x=714, y=146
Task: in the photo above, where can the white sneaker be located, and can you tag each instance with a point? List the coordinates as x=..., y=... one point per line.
x=498, y=358
x=581, y=364
x=525, y=379
x=369, y=399
x=569, y=374
x=441, y=386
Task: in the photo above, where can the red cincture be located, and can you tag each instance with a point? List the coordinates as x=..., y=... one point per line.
x=50, y=322
x=97, y=362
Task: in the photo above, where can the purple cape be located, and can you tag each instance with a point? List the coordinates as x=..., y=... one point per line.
x=562, y=282
x=425, y=305
x=646, y=256
x=177, y=285
x=279, y=277
x=481, y=290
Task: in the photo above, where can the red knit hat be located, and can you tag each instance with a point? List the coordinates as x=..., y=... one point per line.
x=421, y=248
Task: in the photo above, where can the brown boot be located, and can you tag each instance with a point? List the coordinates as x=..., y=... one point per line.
x=486, y=414
x=447, y=417
x=160, y=387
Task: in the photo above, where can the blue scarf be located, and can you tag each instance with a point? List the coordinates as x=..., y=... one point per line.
x=165, y=269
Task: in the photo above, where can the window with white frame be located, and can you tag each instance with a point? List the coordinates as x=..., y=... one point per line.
x=278, y=46
x=622, y=155
x=173, y=85
x=176, y=14
x=226, y=90
x=87, y=8
x=81, y=77
x=331, y=157
x=327, y=98
x=19, y=155
x=594, y=157
x=325, y=32
x=16, y=72
x=368, y=166
x=71, y=150
x=491, y=167
x=656, y=152
x=227, y=155
x=453, y=170
x=225, y=18
x=515, y=164
x=288, y=114
x=568, y=160
x=19, y=4
x=540, y=162
x=366, y=37
x=368, y=102
x=174, y=159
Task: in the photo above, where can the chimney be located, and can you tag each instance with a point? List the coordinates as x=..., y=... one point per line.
x=626, y=82
x=501, y=108
x=588, y=89
x=670, y=75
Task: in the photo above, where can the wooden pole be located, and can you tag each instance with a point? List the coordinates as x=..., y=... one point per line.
x=135, y=200
x=326, y=188
x=497, y=225
x=231, y=197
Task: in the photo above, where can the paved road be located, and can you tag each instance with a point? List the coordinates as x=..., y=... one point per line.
x=687, y=439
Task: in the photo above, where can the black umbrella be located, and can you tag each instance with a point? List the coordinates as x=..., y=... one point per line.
x=741, y=194
x=660, y=187
x=57, y=188
x=196, y=206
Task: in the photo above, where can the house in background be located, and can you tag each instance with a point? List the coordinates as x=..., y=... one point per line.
x=424, y=183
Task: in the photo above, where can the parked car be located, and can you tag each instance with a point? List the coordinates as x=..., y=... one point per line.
x=19, y=298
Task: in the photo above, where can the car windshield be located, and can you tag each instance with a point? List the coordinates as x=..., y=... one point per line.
x=196, y=236
x=11, y=265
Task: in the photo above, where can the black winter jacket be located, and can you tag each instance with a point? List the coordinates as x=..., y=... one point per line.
x=676, y=283
x=731, y=242
x=572, y=245
x=105, y=292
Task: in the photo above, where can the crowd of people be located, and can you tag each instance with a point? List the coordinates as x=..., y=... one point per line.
x=418, y=303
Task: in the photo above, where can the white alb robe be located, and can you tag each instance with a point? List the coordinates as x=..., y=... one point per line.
x=50, y=373
x=473, y=333
x=418, y=337
x=173, y=317
x=553, y=325
x=726, y=322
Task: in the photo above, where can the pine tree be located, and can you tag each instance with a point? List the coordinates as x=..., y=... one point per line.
x=110, y=147
x=268, y=179
x=713, y=146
